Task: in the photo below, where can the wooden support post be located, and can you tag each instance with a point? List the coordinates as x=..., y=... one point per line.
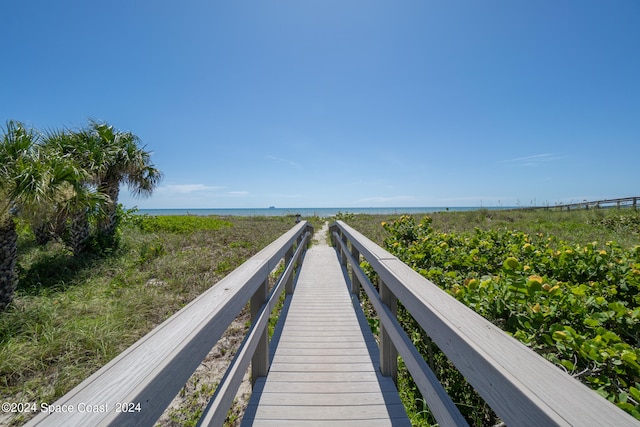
x=355, y=283
x=388, y=352
x=634, y=203
x=260, y=360
x=288, y=286
x=334, y=239
x=343, y=258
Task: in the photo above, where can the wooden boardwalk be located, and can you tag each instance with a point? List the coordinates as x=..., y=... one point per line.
x=325, y=370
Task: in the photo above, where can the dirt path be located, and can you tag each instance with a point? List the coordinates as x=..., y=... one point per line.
x=320, y=236
x=194, y=396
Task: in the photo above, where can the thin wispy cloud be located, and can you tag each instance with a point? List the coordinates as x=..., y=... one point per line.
x=473, y=199
x=285, y=161
x=187, y=188
x=534, y=160
x=283, y=196
x=383, y=199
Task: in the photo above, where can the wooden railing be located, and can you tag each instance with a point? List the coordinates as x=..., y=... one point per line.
x=593, y=204
x=521, y=387
x=136, y=387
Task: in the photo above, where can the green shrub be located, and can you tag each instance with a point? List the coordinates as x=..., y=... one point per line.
x=576, y=305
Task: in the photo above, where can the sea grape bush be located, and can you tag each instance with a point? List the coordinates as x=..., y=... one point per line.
x=576, y=305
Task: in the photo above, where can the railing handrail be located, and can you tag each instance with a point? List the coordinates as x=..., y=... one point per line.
x=519, y=385
x=441, y=405
x=622, y=201
x=152, y=371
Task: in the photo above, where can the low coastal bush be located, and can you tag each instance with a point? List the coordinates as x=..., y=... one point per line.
x=577, y=305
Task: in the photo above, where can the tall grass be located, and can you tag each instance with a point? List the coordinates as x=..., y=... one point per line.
x=72, y=315
x=577, y=226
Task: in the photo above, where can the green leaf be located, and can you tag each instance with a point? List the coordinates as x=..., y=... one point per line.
x=568, y=364
x=630, y=359
x=591, y=322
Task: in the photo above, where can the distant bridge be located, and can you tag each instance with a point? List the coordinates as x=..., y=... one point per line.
x=323, y=366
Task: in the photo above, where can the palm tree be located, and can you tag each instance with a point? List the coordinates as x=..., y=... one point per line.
x=69, y=216
x=125, y=162
x=110, y=158
x=17, y=185
x=28, y=182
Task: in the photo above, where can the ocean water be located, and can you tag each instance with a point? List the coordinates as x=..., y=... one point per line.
x=303, y=212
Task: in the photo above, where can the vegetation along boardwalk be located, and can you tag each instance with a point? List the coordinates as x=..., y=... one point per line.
x=326, y=365
x=323, y=366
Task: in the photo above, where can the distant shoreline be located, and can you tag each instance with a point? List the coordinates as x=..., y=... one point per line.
x=309, y=212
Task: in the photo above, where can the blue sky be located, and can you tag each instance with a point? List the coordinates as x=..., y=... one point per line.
x=301, y=103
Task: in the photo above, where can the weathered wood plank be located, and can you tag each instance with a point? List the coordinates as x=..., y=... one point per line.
x=335, y=387
x=384, y=422
x=317, y=344
x=326, y=399
x=326, y=340
x=328, y=352
x=323, y=358
x=323, y=367
x=312, y=327
x=328, y=412
x=313, y=377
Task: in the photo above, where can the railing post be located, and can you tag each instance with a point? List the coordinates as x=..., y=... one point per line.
x=355, y=283
x=343, y=253
x=388, y=352
x=288, y=286
x=334, y=229
x=260, y=359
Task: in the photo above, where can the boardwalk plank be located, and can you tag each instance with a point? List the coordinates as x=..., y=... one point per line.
x=324, y=358
x=326, y=399
x=300, y=377
x=335, y=387
x=310, y=366
x=400, y=422
x=334, y=412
